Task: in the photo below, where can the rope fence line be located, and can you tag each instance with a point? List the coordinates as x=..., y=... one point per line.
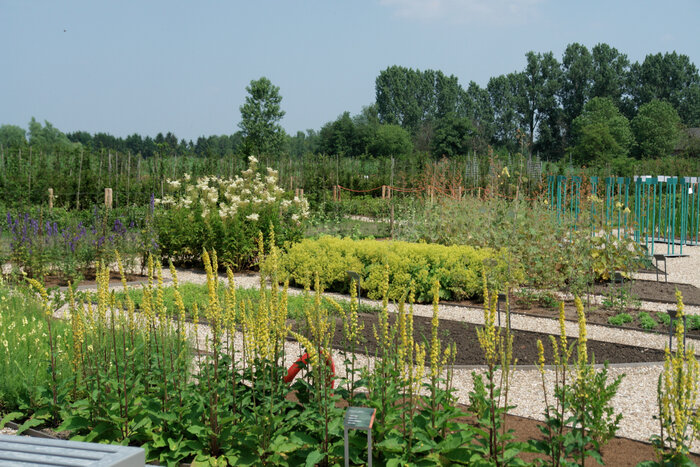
x=430, y=189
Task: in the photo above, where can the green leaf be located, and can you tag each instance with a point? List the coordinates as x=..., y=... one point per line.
x=10, y=417
x=74, y=423
x=31, y=423
x=314, y=458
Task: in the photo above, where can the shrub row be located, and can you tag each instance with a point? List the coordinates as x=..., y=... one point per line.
x=459, y=269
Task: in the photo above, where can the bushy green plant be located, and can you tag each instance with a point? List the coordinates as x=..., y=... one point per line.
x=25, y=352
x=226, y=214
x=620, y=319
x=646, y=321
x=458, y=268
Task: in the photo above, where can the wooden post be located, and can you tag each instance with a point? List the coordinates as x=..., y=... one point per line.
x=50, y=198
x=108, y=198
x=383, y=191
x=388, y=195
x=299, y=192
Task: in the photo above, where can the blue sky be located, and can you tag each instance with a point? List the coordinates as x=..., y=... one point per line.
x=155, y=66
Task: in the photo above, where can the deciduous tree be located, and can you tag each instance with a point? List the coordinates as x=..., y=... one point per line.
x=260, y=117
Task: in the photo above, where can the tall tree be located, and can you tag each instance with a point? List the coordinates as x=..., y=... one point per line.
x=537, y=100
x=656, y=129
x=475, y=104
x=576, y=83
x=601, y=133
x=12, y=136
x=454, y=136
x=610, y=73
x=503, y=96
x=260, y=117
x=670, y=77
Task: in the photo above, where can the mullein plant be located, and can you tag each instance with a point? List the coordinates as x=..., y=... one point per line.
x=581, y=420
x=489, y=399
x=677, y=396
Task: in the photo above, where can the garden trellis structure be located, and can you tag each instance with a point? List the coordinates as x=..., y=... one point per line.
x=655, y=210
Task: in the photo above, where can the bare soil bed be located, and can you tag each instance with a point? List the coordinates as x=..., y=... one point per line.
x=633, y=292
x=463, y=335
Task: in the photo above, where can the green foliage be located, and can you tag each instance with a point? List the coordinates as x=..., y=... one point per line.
x=620, y=319
x=646, y=321
x=227, y=215
x=601, y=133
x=12, y=136
x=24, y=352
x=453, y=136
x=390, y=141
x=260, y=116
x=198, y=294
x=458, y=268
x=656, y=129
x=581, y=420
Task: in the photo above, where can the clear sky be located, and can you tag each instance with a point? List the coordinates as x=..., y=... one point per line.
x=150, y=66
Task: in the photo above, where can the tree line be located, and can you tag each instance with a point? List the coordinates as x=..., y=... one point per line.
x=594, y=107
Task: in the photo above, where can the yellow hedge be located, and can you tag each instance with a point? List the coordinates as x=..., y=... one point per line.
x=458, y=268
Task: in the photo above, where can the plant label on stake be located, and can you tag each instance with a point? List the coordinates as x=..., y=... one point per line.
x=359, y=418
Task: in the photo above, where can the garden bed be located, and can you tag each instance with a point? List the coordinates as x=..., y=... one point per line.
x=653, y=291
x=545, y=306
x=470, y=353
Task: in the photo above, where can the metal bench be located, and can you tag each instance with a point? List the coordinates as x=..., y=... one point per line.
x=25, y=451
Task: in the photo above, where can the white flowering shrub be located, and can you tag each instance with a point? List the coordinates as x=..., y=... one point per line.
x=226, y=214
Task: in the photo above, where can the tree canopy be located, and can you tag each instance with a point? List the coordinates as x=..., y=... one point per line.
x=260, y=117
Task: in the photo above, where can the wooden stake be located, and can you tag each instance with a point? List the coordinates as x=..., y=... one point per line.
x=50, y=198
x=108, y=198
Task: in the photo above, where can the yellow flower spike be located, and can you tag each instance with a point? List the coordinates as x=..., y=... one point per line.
x=150, y=271
x=540, y=356
x=434, y=324
x=173, y=274
x=555, y=350
x=562, y=327
x=485, y=285
x=309, y=347
x=160, y=295
x=420, y=366
x=582, y=339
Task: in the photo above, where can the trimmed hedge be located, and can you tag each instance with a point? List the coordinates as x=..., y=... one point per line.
x=458, y=268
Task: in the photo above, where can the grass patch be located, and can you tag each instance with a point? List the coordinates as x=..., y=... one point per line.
x=197, y=294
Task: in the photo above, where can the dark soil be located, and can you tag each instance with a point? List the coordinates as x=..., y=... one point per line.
x=619, y=452
x=542, y=305
x=653, y=291
x=463, y=335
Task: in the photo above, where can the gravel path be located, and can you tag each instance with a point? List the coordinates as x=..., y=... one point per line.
x=683, y=269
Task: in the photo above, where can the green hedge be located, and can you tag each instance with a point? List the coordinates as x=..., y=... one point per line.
x=458, y=268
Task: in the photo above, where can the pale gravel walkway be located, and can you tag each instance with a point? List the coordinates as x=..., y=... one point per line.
x=683, y=269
